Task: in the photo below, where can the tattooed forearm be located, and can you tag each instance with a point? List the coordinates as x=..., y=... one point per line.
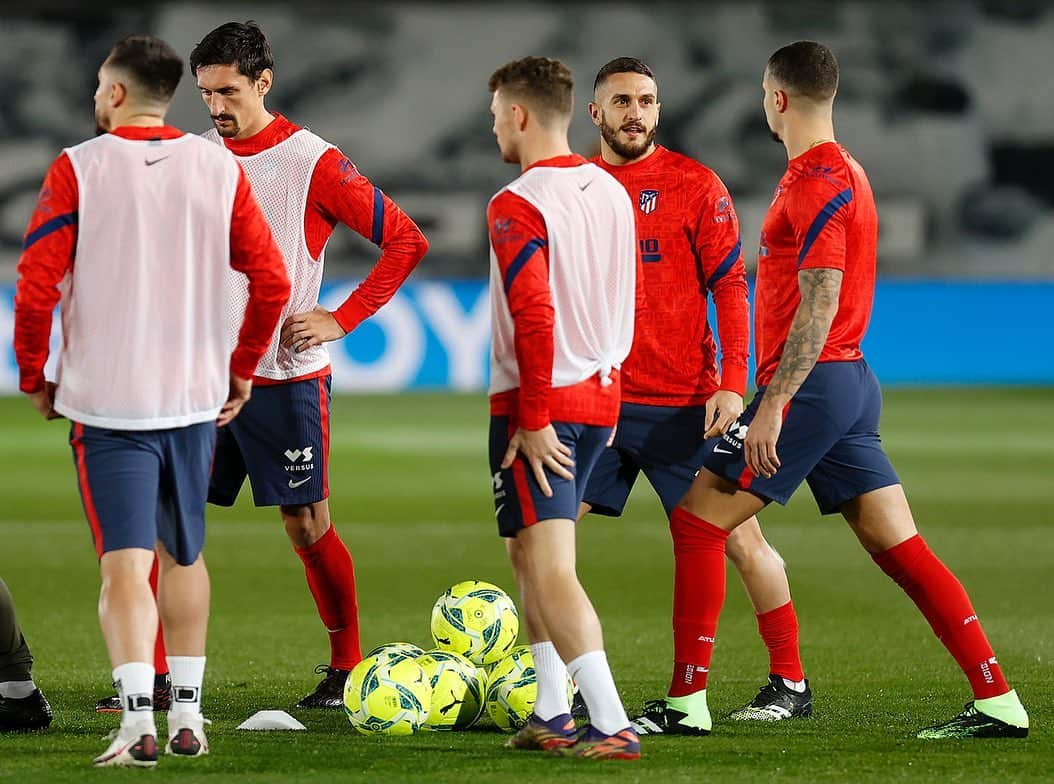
x=812, y=322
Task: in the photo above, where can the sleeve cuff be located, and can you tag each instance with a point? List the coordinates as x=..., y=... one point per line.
x=533, y=418
x=30, y=382
x=242, y=363
x=352, y=313
x=734, y=378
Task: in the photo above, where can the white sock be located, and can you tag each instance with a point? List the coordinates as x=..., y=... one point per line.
x=187, y=674
x=593, y=676
x=796, y=686
x=135, y=686
x=17, y=690
x=552, y=681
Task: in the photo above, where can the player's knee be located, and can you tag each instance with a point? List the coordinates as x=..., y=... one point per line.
x=746, y=548
x=130, y=564
x=303, y=524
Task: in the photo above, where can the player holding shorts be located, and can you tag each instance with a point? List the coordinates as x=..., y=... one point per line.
x=673, y=392
x=136, y=232
x=816, y=413
x=563, y=287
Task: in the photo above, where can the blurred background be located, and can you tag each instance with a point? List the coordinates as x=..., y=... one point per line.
x=947, y=105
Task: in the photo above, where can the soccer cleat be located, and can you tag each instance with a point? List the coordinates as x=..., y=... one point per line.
x=776, y=701
x=129, y=747
x=540, y=735
x=186, y=735
x=578, y=708
x=675, y=716
x=162, y=697
x=972, y=723
x=594, y=744
x=25, y=714
x=330, y=691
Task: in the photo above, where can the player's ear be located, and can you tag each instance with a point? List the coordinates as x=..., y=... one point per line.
x=781, y=101
x=263, y=84
x=118, y=94
x=594, y=113
x=520, y=115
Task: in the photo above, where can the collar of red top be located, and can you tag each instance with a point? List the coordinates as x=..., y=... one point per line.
x=149, y=133
x=823, y=148
x=276, y=131
x=559, y=162
x=639, y=164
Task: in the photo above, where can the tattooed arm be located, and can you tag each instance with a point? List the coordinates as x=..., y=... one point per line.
x=819, y=289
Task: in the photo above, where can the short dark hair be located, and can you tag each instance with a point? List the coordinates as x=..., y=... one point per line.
x=546, y=85
x=153, y=65
x=235, y=43
x=622, y=65
x=806, y=67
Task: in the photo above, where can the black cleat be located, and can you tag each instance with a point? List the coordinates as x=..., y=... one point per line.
x=330, y=691
x=25, y=714
x=579, y=711
x=971, y=723
x=162, y=697
x=775, y=702
x=661, y=718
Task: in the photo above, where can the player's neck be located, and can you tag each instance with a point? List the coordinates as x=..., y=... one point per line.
x=542, y=147
x=137, y=118
x=258, y=122
x=612, y=158
x=809, y=132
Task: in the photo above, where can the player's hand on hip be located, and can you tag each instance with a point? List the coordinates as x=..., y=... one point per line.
x=44, y=401
x=542, y=449
x=301, y=331
x=240, y=391
x=722, y=409
x=759, y=447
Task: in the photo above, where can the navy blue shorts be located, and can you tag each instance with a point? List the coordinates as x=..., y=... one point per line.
x=829, y=439
x=665, y=442
x=280, y=440
x=518, y=499
x=139, y=486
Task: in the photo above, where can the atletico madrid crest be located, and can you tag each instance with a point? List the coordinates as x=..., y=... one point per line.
x=648, y=201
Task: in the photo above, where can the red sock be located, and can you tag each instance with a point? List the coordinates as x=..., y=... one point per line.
x=698, y=595
x=160, y=660
x=942, y=599
x=779, y=630
x=331, y=578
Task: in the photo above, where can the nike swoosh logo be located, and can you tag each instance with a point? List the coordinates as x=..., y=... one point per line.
x=297, y=484
x=721, y=451
x=583, y=187
x=498, y=510
x=156, y=160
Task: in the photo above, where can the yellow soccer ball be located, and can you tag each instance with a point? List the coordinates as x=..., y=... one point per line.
x=458, y=688
x=387, y=695
x=477, y=620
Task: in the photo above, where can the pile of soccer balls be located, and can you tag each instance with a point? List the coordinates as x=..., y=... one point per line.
x=398, y=688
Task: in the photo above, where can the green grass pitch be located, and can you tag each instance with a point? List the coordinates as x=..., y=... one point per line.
x=411, y=496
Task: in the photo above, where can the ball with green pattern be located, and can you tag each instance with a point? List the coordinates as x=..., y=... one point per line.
x=398, y=650
x=458, y=689
x=477, y=620
x=386, y=695
x=512, y=688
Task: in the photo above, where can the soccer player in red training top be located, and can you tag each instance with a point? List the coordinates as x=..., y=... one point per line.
x=673, y=393
x=816, y=413
x=306, y=186
x=563, y=286
x=135, y=232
